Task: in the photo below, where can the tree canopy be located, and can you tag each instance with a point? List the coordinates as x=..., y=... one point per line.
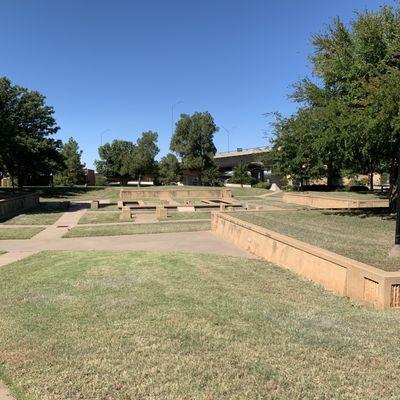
x=26, y=126
x=125, y=160
x=169, y=169
x=241, y=174
x=348, y=116
x=74, y=171
x=193, y=142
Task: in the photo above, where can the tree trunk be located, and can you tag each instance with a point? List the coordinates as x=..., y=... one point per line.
x=139, y=180
x=393, y=186
x=13, y=182
x=330, y=177
x=371, y=177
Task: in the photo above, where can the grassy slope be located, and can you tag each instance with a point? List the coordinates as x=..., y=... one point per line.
x=348, y=195
x=364, y=238
x=114, y=230
x=44, y=214
x=18, y=233
x=133, y=325
x=100, y=217
x=189, y=215
x=112, y=193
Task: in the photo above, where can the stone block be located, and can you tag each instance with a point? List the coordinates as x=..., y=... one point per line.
x=126, y=214
x=94, y=205
x=161, y=213
x=186, y=209
x=120, y=204
x=222, y=207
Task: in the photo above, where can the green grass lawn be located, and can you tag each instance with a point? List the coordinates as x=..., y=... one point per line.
x=112, y=192
x=126, y=229
x=106, y=207
x=189, y=215
x=275, y=200
x=248, y=191
x=136, y=325
x=19, y=233
x=363, y=237
x=100, y=217
x=348, y=195
x=45, y=214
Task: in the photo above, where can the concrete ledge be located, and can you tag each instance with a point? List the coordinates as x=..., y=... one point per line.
x=14, y=205
x=318, y=201
x=347, y=277
x=172, y=194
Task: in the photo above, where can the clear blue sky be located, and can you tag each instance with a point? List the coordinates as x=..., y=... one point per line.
x=121, y=64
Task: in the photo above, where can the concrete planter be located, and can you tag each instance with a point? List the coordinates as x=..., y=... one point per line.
x=347, y=277
x=10, y=207
x=171, y=194
x=313, y=200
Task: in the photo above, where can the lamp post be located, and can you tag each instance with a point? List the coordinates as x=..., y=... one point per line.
x=172, y=115
x=228, y=131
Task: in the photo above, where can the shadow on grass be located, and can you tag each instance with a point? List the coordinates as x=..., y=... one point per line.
x=362, y=213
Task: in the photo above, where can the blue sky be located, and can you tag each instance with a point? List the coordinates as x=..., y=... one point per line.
x=120, y=65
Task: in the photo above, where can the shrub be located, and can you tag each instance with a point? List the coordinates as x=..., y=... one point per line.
x=263, y=185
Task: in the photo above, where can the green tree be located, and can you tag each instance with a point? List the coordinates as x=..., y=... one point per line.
x=353, y=104
x=193, y=142
x=212, y=176
x=26, y=125
x=117, y=160
x=74, y=171
x=360, y=63
x=169, y=169
x=241, y=174
x=145, y=152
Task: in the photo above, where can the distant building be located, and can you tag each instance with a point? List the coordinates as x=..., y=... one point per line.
x=254, y=158
x=90, y=177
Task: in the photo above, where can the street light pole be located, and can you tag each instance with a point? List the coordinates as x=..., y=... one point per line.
x=172, y=115
x=228, y=131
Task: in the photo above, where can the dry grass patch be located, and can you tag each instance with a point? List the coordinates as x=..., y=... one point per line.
x=45, y=214
x=363, y=237
x=135, y=325
x=100, y=217
x=176, y=215
x=133, y=229
x=19, y=233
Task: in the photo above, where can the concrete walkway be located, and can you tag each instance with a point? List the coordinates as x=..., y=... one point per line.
x=4, y=393
x=51, y=239
x=14, y=256
x=190, y=242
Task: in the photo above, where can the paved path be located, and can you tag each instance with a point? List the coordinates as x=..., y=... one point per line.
x=14, y=256
x=4, y=393
x=51, y=239
x=191, y=242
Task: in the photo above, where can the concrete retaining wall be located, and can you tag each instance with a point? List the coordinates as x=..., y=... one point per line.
x=345, y=276
x=332, y=202
x=171, y=194
x=14, y=205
